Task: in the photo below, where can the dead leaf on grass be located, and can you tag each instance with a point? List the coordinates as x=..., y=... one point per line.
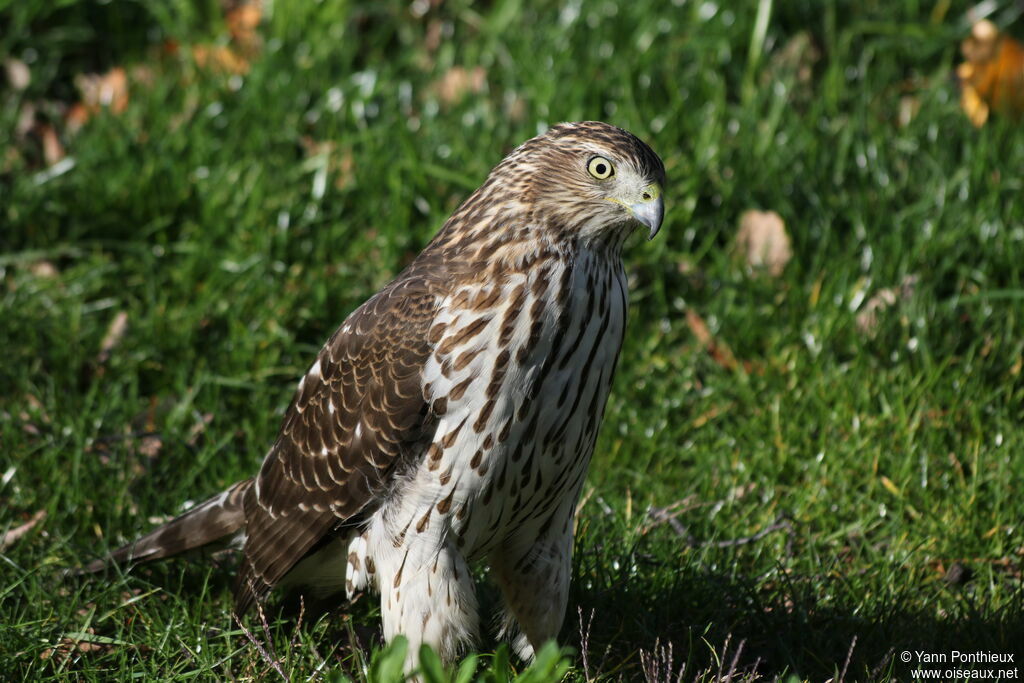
x=992, y=78
x=18, y=74
x=868, y=317
x=709, y=415
x=111, y=340
x=763, y=242
x=44, y=269
x=220, y=58
x=109, y=90
x=32, y=414
x=340, y=162
x=792, y=66
x=150, y=446
x=26, y=120
x=77, y=116
x=198, y=428
x=12, y=536
x=458, y=82
x=718, y=350
x=85, y=643
x=243, y=21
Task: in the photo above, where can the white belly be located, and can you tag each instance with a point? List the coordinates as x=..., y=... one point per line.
x=514, y=443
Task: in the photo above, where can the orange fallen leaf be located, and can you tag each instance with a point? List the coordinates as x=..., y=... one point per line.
x=219, y=58
x=108, y=90
x=77, y=116
x=718, y=350
x=763, y=242
x=53, y=151
x=708, y=415
x=992, y=78
x=242, y=22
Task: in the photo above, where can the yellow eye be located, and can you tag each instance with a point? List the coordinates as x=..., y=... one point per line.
x=600, y=168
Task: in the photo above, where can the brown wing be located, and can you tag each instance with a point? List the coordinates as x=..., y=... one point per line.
x=357, y=418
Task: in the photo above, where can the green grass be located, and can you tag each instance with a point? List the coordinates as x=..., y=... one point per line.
x=200, y=214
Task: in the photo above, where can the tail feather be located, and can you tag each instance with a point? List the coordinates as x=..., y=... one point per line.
x=205, y=523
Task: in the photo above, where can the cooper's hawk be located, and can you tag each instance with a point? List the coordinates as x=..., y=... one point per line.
x=452, y=416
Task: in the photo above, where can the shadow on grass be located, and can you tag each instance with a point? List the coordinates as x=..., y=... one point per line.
x=775, y=631
x=817, y=628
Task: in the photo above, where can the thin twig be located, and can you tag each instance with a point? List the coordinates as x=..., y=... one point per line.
x=585, y=641
x=849, y=656
x=267, y=657
x=735, y=660
x=781, y=522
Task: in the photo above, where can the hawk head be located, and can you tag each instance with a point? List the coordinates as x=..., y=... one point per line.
x=590, y=178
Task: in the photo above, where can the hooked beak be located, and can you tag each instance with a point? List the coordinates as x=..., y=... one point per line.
x=650, y=212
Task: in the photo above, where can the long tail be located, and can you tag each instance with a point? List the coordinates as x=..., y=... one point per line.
x=205, y=523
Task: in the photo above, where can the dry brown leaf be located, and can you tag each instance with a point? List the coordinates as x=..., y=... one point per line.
x=26, y=120
x=150, y=446
x=867, y=318
x=142, y=74
x=432, y=38
x=242, y=22
x=69, y=646
x=198, y=428
x=29, y=419
x=109, y=90
x=115, y=333
x=718, y=350
x=44, y=269
x=77, y=116
x=457, y=82
x=53, y=151
x=219, y=58
x=18, y=74
x=910, y=105
x=340, y=163
x=763, y=241
x=792, y=66
x=12, y=536
x=992, y=78
x=707, y=416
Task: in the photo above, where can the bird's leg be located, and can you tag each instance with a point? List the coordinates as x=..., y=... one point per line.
x=428, y=595
x=534, y=582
